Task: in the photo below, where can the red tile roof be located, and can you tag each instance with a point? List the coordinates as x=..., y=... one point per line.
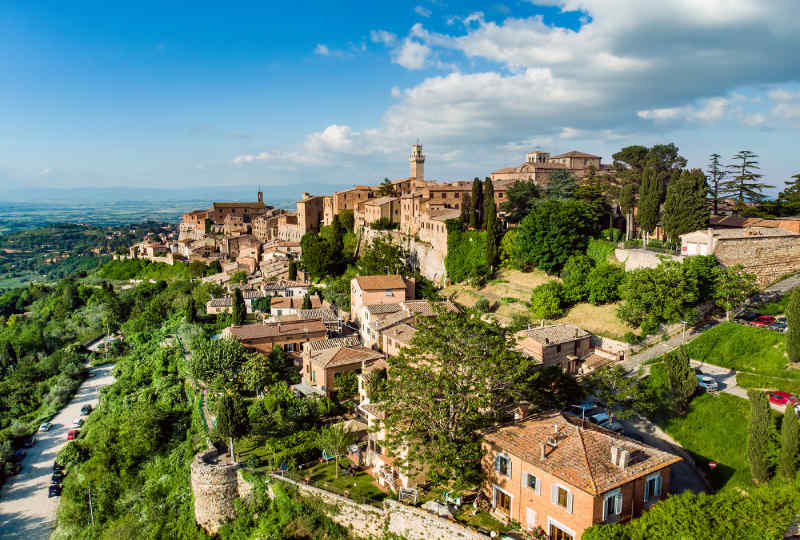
x=380, y=282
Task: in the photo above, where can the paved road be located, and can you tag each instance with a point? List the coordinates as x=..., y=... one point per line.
x=26, y=512
x=636, y=360
x=726, y=380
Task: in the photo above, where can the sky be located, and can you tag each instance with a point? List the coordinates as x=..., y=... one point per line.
x=179, y=95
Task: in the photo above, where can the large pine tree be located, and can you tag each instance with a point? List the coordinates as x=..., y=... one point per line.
x=793, y=324
x=685, y=209
x=476, y=203
x=746, y=185
x=790, y=444
x=789, y=198
x=715, y=175
x=490, y=222
x=759, y=440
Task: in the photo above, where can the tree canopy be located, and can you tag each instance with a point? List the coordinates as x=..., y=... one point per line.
x=521, y=197
x=685, y=208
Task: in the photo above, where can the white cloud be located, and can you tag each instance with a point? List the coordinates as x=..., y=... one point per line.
x=422, y=11
x=753, y=120
x=382, y=36
x=712, y=110
x=571, y=133
x=411, y=54
x=322, y=50
x=333, y=137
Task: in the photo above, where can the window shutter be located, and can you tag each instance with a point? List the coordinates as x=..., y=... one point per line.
x=538, y=487
x=658, y=486
x=569, y=502
x=508, y=461
x=496, y=463
x=554, y=494
x=646, y=484
x=618, y=504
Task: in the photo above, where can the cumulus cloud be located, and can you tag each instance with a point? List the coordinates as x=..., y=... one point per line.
x=711, y=110
x=322, y=50
x=382, y=36
x=422, y=11
x=411, y=54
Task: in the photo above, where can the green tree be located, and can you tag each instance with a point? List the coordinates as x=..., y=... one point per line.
x=732, y=286
x=681, y=378
x=386, y=188
x=459, y=374
x=256, y=373
x=649, y=200
x=561, y=185
x=627, y=203
x=292, y=270
x=191, y=310
x=573, y=277
x=262, y=304
x=521, y=197
x=347, y=386
x=664, y=294
x=347, y=219
x=465, y=213
x=239, y=308
x=490, y=223
x=614, y=388
x=319, y=258
x=759, y=436
x=476, y=205
x=306, y=301
x=239, y=277
x=384, y=257
x=219, y=359
x=334, y=440
x=790, y=444
x=745, y=184
x=507, y=247
x=686, y=208
x=716, y=173
x=546, y=300
x=789, y=198
x=553, y=232
x=602, y=283
x=793, y=327
x=197, y=269
x=232, y=421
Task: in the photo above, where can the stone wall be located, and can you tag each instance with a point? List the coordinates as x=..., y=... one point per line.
x=215, y=485
x=421, y=254
x=616, y=348
x=642, y=258
x=369, y=521
x=769, y=258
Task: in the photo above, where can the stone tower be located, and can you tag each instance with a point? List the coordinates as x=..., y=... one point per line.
x=260, y=196
x=417, y=160
x=215, y=488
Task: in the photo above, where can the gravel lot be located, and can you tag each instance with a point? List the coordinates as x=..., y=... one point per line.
x=26, y=512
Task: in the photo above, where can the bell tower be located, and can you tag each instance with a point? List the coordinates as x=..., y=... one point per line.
x=260, y=195
x=417, y=160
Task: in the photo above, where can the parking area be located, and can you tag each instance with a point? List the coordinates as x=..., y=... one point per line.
x=26, y=511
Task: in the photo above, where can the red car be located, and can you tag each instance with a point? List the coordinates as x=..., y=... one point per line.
x=781, y=398
x=763, y=320
x=73, y=434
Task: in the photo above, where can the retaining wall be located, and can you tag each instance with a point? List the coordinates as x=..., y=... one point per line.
x=421, y=254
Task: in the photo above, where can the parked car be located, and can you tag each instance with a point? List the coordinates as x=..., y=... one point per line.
x=763, y=320
x=78, y=422
x=583, y=410
x=73, y=434
x=57, y=466
x=778, y=326
x=707, y=383
x=57, y=477
x=47, y=426
x=29, y=442
x=54, y=491
x=19, y=455
x=747, y=317
x=779, y=397
x=603, y=420
x=86, y=409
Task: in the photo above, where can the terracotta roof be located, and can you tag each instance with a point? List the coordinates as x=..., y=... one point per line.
x=575, y=153
x=283, y=284
x=373, y=409
x=389, y=320
x=344, y=356
x=582, y=456
x=376, y=309
x=554, y=334
x=293, y=302
x=277, y=329
x=334, y=343
x=380, y=282
x=380, y=201
x=325, y=314
x=505, y=170
x=402, y=333
x=444, y=214
x=228, y=300
x=426, y=308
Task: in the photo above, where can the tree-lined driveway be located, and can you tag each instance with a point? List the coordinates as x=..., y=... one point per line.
x=26, y=511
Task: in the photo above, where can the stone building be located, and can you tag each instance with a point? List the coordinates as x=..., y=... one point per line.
x=289, y=229
x=379, y=289
x=309, y=213
x=382, y=207
x=322, y=368
x=539, y=165
x=248, y=210
x=289, y=335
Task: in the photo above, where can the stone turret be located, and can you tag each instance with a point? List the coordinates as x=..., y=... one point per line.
x=417, y=161
x=215, y=484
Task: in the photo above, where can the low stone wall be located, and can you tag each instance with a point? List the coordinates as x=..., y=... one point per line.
x=612, y=346
x=641, y=258
x=369, y=521
x=421, y=254
x=768, y=257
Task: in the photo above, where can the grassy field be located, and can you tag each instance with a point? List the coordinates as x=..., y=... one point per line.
x=361, y=487
x=762, y=382
x=744, y=348
x=778, y=307
x=715, y=429
x=510, y=292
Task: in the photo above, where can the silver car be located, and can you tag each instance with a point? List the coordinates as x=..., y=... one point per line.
x=707, y=383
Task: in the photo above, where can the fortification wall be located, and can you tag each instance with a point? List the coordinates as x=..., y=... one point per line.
x=215, y=485
x=422, y=255
x=769, y=258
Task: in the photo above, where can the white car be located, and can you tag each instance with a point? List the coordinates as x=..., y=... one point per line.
x=707, y=383
x=78, y=422
x=46, y=426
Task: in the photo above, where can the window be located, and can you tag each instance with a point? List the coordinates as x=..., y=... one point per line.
x=502, y=500
x=499, y=195
x=533, y=483
x=314, y=376
x=558, y=348
x=612, y=505
x=530, y=518
x=389, y=293
x=557, y=531
x=458, y=194
x=652, y=487
x=561, y=496
x=502, y=465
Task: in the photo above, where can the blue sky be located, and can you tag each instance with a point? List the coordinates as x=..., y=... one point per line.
x=179, y=95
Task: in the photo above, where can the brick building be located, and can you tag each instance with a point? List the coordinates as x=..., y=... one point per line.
x=289, y=335
x=539, y=165
x=551, y=472
x=380, y=289
x=322, y=367
x=564, y=345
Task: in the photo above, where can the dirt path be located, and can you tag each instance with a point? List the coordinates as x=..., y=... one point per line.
x=26, y=512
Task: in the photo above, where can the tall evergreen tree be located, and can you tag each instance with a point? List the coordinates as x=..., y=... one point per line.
x=790, y=444
x=627, y=202
x=681, y=377
x=239, y=309
x=465, y=210
x=232, y=421
x=306, y=301
x=649, y=200
x=292, y=270
x=793, y=324
x=789, y=198
x=476, y=205
x=746, y=185
x=685, y=208
x=490, y=222
x=561, y=185
x=191, y=310
x=759, y=436
x=521, y=197
x=715, y=175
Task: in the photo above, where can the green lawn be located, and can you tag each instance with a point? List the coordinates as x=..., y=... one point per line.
x=715, y=429
x=253, y=448
x=777, y=307
x=481, y=519
x=749, y=380
x=361, y=487
x=743, y=348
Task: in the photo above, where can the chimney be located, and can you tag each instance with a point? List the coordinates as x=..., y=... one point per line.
x=555, y=429
x=521, y=410
x=624, y=459
x=543, y=454
x=615, y=455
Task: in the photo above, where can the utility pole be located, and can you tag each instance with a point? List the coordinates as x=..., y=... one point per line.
x=684, y=332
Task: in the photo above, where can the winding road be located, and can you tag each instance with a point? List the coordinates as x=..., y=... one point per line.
x=26, y=512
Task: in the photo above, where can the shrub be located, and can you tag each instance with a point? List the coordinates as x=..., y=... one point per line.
x=632, y=244
x=602, y=283
x=632, y=338
x=383, y=224
x=483, y=305
x=612, y=235
x=466, y=254
x=599, y=250
x=546, y=300
x=574, y=276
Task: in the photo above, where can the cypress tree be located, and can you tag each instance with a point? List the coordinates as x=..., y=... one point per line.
x=681, y=377
x=490, y=219
x=307, y=301
x=191, y=310
x=686, y=209
x=790, y=444
x=292, y=270
x=650, y=200
x=239, y=309
x=758, y=436
x=793, y=323
x=475, y=203
x=465, y=210
x=716, y=174
x=627, y=202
